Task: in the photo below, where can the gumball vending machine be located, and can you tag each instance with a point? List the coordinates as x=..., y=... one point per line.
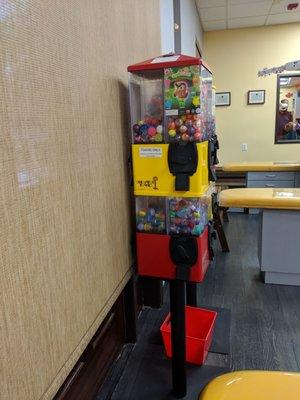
x=172, y=123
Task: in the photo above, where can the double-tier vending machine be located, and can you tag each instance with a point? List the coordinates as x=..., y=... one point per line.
x=172, y=131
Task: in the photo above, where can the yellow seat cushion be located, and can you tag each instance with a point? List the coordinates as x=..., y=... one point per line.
x=261, y=166
x=254, y=385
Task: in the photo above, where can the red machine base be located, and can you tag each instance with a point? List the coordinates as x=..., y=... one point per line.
x=154, y=258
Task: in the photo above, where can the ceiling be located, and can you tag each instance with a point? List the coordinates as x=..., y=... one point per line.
x=231, y=14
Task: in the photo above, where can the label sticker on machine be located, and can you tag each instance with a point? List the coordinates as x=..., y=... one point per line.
x=171, y=112
x=164, y=59
x=150, y=152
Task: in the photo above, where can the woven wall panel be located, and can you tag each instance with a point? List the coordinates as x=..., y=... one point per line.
x=64, y=236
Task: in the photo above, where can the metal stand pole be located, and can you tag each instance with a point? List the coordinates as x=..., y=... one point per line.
x=177, y=304
x=191, y=294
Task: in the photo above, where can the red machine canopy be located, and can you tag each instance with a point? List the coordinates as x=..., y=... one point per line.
x=167, y=60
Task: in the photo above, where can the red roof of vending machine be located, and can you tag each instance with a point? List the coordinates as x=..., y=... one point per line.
x=167, y=60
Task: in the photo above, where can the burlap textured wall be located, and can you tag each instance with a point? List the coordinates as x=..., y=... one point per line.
x=64, y=248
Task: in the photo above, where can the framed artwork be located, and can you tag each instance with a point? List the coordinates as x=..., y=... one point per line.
x=223, y=99
x=256, y=97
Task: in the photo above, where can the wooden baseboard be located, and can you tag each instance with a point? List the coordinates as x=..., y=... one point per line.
x=86, y=378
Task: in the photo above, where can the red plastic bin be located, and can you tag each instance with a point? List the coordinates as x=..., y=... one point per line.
x=200, y=325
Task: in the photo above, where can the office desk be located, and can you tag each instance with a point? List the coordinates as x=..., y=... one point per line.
x=268, y=174
x=279, y=234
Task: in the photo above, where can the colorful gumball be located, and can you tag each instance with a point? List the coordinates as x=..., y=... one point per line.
x=143, y=129
x=172, y=133
x=159, y=129
x=198, y=136
x=178, y=122
x=147, y=227
x=197, y=230
x=192, y=131
x=140, y=227
x=158, y=138
x=183, y=129
x=136, y=128
x=151, y=131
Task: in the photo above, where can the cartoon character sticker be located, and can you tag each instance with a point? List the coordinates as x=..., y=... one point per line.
x=182, y=90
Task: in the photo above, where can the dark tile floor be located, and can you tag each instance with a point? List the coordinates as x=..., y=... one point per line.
x=265, y=319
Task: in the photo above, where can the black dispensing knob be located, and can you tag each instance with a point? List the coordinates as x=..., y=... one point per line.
x=183, y=163
x=184, y=254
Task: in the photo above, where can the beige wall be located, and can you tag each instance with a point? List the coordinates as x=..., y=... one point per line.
x=235, y=57
x=65, y=248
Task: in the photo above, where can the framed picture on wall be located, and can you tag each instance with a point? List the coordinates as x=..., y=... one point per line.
x=256, y=97
x=223, y=99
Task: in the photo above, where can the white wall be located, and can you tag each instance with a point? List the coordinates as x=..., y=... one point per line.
x=190, y=27
x=167, y=26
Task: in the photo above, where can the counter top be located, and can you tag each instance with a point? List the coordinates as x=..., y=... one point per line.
x=287, y=199
x=262, y=166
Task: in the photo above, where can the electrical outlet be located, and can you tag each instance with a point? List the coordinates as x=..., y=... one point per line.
x=244, y=146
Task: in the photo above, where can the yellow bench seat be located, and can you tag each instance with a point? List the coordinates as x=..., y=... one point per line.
x=247, y=166
x=253, y=385
x=286, y=199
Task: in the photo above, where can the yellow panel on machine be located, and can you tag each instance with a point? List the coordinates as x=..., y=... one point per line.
x=152, y=176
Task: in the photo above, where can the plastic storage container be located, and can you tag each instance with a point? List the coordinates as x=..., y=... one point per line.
x=207, y=105
x=153, y=257
x=146, y=106
x=150, y=214
x=170, y=100
x=187, y=215
x=172, y=215
x=186, y=128
x=200, y=325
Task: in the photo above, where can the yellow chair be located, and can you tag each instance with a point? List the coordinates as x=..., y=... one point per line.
x=253, y=385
